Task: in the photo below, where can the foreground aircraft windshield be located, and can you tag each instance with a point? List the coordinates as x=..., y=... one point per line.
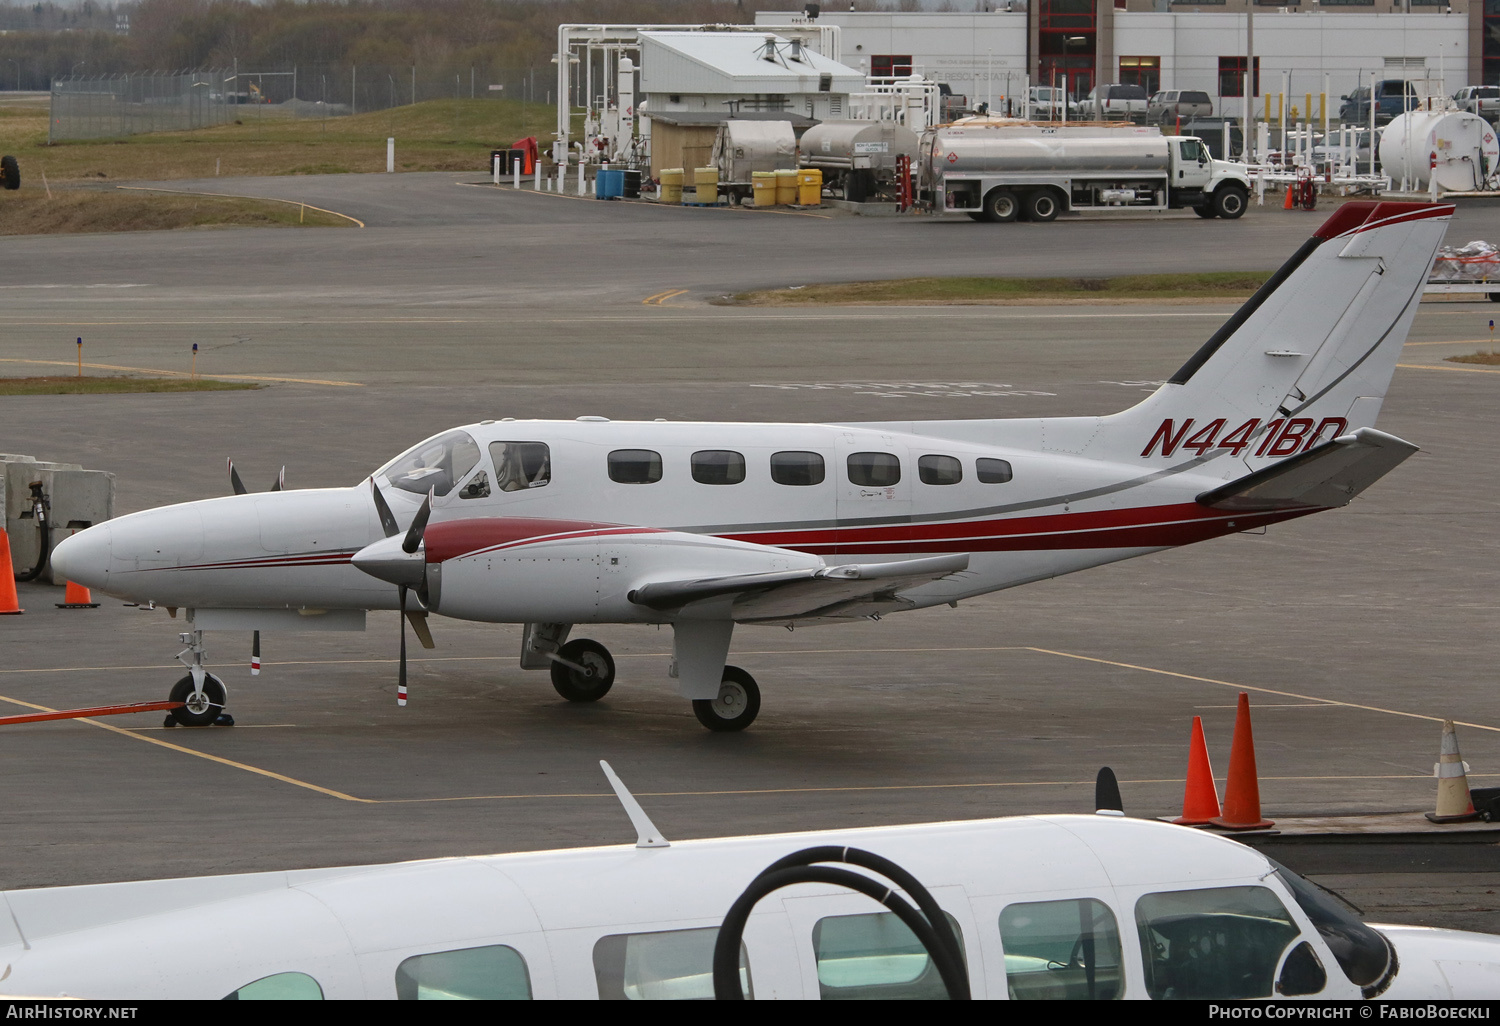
x=438, y=463
x=1362, y=953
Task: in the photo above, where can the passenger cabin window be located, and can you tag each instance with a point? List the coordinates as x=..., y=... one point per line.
x=1061, y=950
x=281, y=987
x=492, y=973
x=874, y=469
x=797, y=468
x=718, y=467
x=521, y=465
x=875, y=957
x=992, y=471
x=634, y=466
x=940, y=470
x=438, y=464
x=670, y=965
x=1220, y=943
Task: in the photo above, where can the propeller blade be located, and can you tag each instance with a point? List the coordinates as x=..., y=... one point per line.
x=280, y=483
x=387, y=518
x=418, y=526
x=234, y=480
x=401, y=674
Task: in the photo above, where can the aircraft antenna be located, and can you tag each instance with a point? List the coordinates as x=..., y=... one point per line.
x=647, y=836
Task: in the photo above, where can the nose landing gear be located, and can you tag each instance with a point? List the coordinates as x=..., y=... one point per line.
x=582, y=670
x=201, y=693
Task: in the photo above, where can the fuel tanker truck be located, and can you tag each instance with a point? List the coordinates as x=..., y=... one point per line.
x=1003, y=171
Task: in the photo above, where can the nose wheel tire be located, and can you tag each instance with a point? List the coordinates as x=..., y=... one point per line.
x=201, y=710
x=593, y=681
x=736, y=707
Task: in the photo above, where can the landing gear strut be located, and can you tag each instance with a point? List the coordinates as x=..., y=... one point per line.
x=736, y=707
x=582, y=670
x=203, y=695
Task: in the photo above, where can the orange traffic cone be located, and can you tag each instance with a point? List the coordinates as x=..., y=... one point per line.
x=9, y=602
x=1454, y=805
x=1289, y=204
x=77, y=597
x=1242, y=791
x=1200, y=799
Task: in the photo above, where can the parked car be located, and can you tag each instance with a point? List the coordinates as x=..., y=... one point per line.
x=1114, y=103
x=1211, y=131
x=1481, y=100
x=1320, y=153
x=1169, y=105
x=1045, y=103
x=1393, y=96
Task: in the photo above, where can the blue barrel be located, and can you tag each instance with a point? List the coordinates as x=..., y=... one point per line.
x=609, y=184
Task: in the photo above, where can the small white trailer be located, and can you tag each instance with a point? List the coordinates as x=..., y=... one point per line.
x=1002, y=171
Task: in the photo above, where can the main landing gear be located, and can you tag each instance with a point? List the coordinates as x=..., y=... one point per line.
x=201, y=693
x=736, y=707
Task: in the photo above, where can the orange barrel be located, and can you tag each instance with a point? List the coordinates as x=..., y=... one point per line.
x=671, y=184
x=786, y=186
x=764, y=185
x=706, y=180
x=810, y=187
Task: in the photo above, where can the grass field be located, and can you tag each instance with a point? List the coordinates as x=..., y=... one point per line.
x=70, y=385
x=31, y=212
x=438, y=135
x=959, y=291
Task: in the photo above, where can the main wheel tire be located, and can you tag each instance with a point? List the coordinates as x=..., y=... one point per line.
x=736, y=707
x=1043, y=205
x=1206, y=211
x=200, y=711
x=1230, y=201
x=1001, y=206
x=10, y=172
x=591, y=685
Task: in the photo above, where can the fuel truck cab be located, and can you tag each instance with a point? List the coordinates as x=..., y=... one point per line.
x=1001, y=172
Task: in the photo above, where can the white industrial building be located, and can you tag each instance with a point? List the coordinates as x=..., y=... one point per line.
x=993, y=56
x=730, y=72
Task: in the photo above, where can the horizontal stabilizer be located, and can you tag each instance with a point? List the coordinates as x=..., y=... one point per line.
x=1322, y=478
x=795, y=593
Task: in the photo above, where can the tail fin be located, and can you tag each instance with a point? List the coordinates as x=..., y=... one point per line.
x=1308, y=358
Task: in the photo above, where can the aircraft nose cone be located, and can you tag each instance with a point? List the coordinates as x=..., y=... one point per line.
x=386, y=561
x=84, y=557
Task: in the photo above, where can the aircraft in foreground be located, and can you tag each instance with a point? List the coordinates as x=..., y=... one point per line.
x=1117, y=908
x=704, y=526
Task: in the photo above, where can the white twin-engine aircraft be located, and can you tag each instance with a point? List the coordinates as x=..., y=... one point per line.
x=704, y=526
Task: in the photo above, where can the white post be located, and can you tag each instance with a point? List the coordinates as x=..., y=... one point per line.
x=1260, y=186
x=1246, y=114
x=390, y=155
x=536, y=173
x=1225, y=125
x=562, y=171
x=1325, y=102
x=581, y=190
x=1372, y=124
x=1286, y=86
x=1064, y=98
x=515, y=171
x=496, y=162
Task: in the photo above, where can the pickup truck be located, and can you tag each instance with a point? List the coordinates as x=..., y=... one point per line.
x=1114, y=103
x=1481, y=100
x=1393, y=97
x=1170, y=105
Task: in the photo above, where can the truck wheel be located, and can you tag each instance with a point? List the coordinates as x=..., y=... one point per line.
x=1043, y=205
x=10, y=172
x=1229, y=201
x=1205, y=211
x=1001, y=207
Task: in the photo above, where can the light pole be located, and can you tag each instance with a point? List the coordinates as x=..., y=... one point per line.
x=75, y=68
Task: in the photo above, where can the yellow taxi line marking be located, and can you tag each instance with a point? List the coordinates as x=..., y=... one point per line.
x=230, y=195
x=182, y=374
x=1263, y=691
x=202, y=755
x=1442, y=367
x=660, y=298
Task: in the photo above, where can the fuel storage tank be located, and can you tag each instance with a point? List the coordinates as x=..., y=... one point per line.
x=1462, y=145
x=846, y=145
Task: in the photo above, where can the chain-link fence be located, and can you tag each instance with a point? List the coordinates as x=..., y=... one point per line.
x=107, y=106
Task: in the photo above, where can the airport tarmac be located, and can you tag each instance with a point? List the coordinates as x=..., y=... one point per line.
x=1355, y=632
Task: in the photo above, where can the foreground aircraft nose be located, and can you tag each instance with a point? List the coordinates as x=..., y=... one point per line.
x=84, y=557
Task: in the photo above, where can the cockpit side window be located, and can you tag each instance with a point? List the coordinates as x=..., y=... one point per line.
x=521, y=465
x=438, y=464
x=1212, y=944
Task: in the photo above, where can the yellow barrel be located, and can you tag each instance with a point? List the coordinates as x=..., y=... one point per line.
x=810, y=187
x=706, y=179
x=671, y=184
x=786, y=186
x=764, y=184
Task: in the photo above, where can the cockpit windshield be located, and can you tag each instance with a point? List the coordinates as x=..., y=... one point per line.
x=438, y=464
x=1362, y=953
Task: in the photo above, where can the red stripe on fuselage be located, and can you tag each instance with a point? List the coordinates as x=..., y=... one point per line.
x=453, y=538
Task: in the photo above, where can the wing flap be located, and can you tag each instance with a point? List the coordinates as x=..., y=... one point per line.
x=1325, y=477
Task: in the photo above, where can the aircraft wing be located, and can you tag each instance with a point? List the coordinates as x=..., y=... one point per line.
x=1325, y=477
x=851, y=590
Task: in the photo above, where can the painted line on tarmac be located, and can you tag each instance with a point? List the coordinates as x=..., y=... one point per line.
x=183, y=374
x=660, y=298
x=231, y=195
x=202, y=755
x=1264, y=691
x=1457, y=342
x=1438, y=366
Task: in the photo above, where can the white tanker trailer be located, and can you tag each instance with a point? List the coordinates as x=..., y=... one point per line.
x=1002, y=172
x=858, y=158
